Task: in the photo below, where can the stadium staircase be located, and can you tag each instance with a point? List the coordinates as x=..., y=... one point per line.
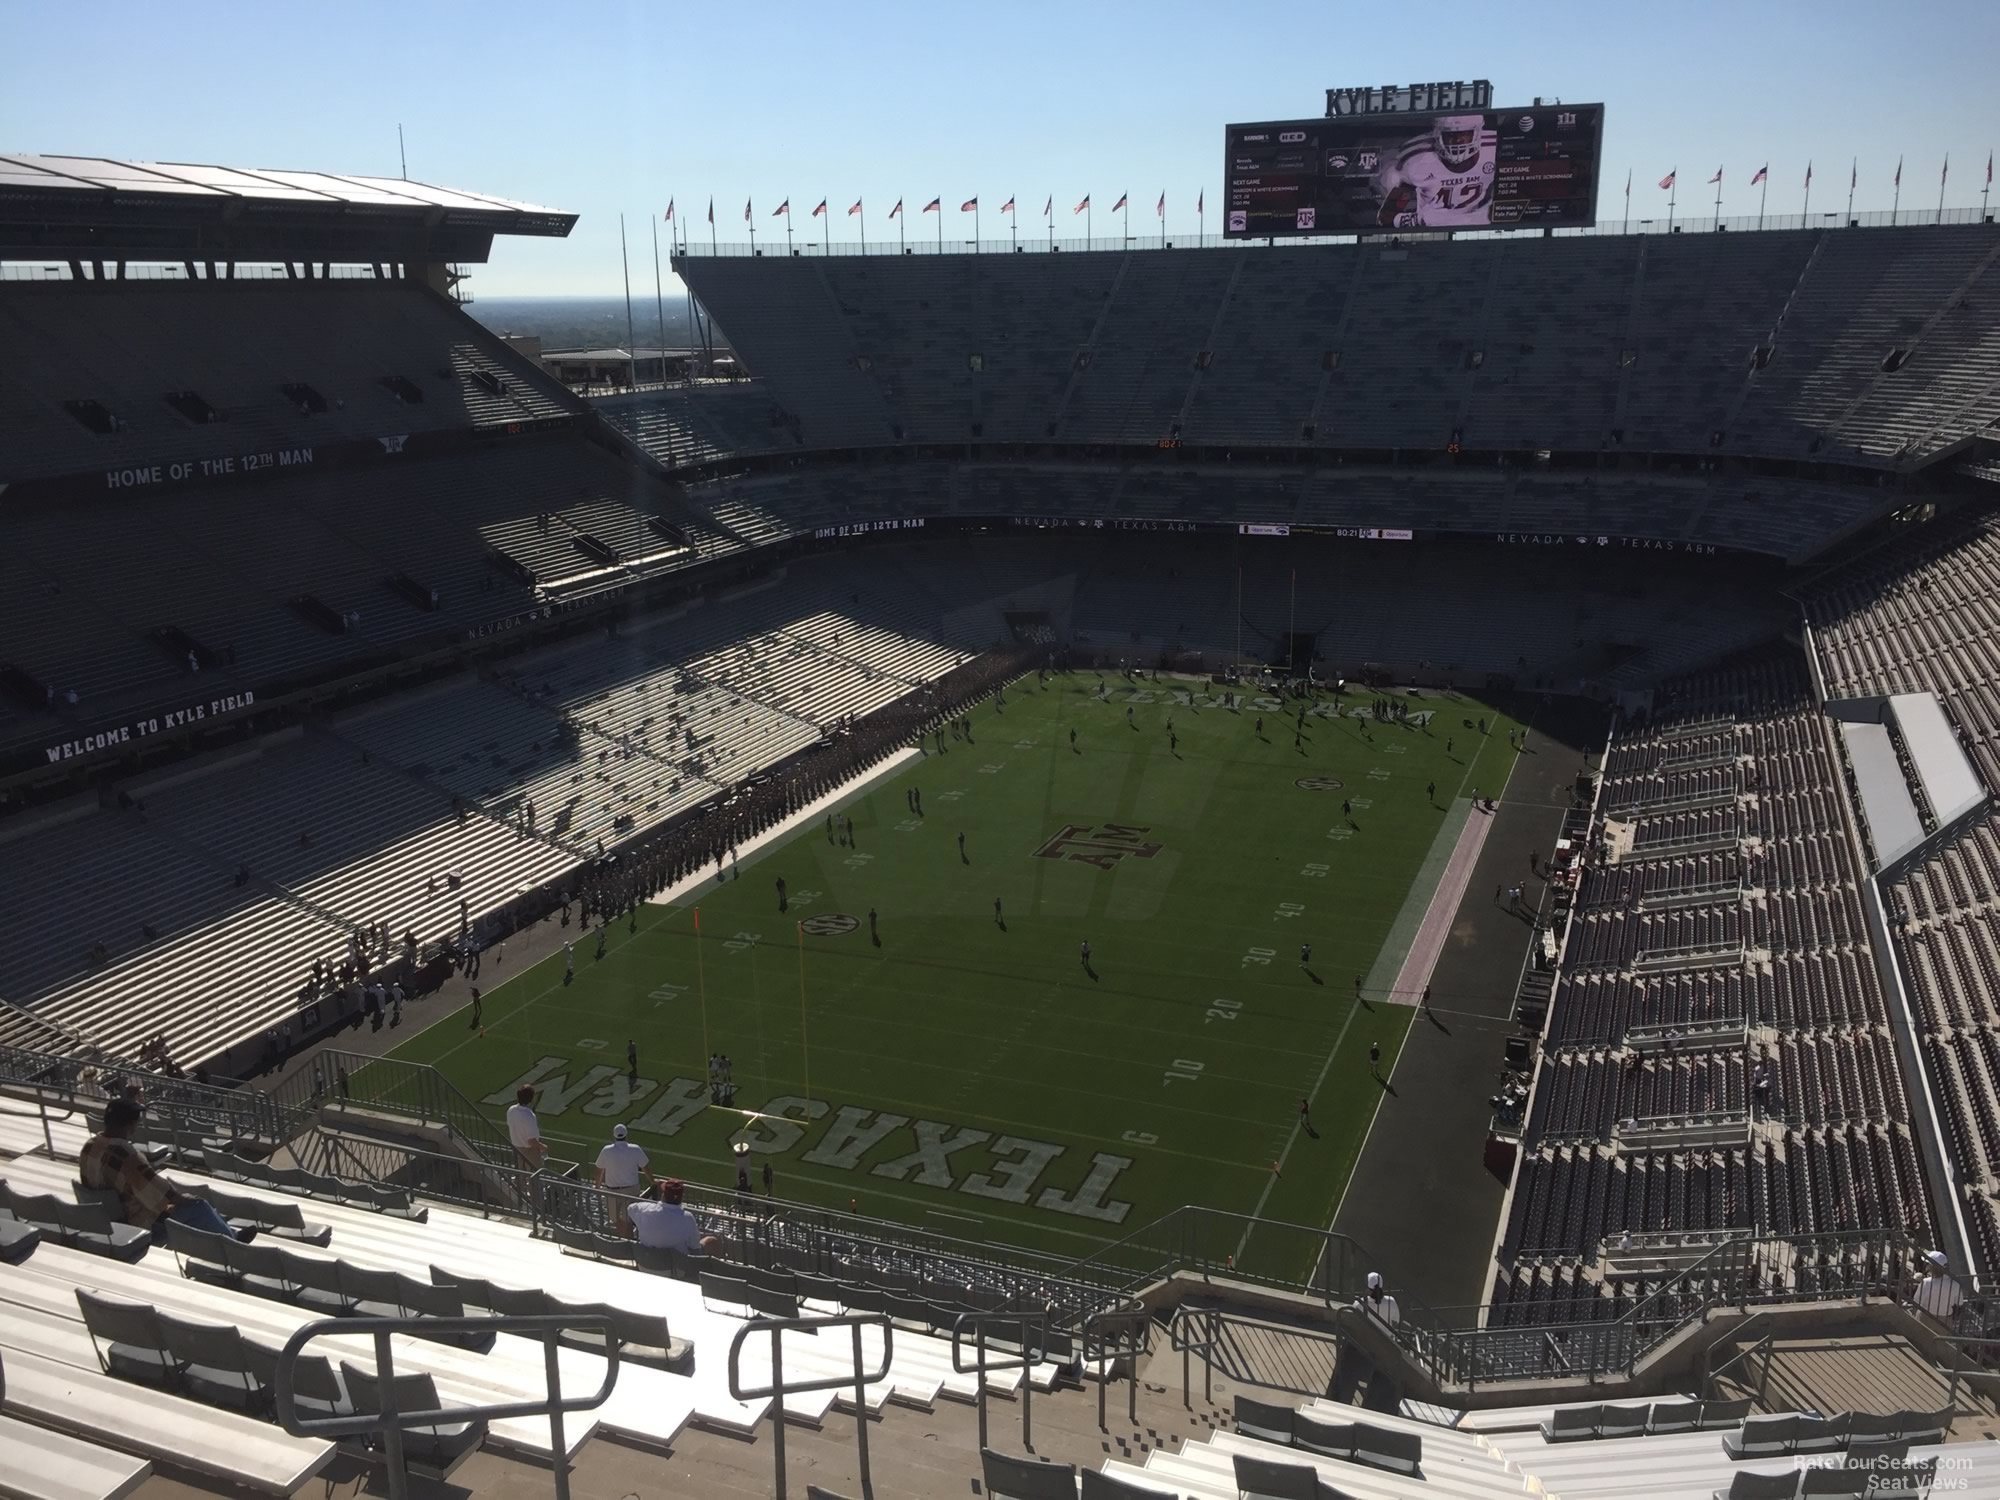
x=1081, y=363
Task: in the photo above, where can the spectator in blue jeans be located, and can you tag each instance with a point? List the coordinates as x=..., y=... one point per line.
x=109, y=1161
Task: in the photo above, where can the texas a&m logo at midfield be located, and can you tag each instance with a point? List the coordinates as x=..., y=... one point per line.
x=1103, y=847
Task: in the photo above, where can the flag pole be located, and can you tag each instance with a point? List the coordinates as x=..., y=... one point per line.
x=1126, y=230
x=1941, y=177
x=900, y=246
x=788, y=227
x=1014, y=224
x=1089, y=222
x=1163, y=220
x=975, y=225
x=1987, y=191
x=1201, y=220
x=1718, y=197
x=1673, y=191
x=660, y=304
x=750, y=218
x=1896, y=203
x=1763, y=196
x=826, y=229
x=712, y=250
x=1627, y=229
x=631, y=338
x=940, y=224
x=1853, y=172
x=862, y=205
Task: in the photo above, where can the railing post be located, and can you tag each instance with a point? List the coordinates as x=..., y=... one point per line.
x=778, y=1408
x=979, y=1365
x=558, y=1449
x=1027, y=1381
x=861, y=1412
x=392, y=1432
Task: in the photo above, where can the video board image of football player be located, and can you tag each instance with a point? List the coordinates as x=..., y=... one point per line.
x=1443, y=179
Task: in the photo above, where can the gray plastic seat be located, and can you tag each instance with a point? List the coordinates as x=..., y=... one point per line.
x=373, y=1293
x=318, y=1282
x=1386, y=1448
x=1010, y=1478
x=1827, y=1480
x=213, y=1366
x=1321, y=1439
x=509, y=1303
x=1570, y=1426
x=1264, y=1479
x=1750, y=1485
x=128, y=1339
x=1101, y=1486
x=17, y=1241
x=1673, y=1416
x=644, y=1337
x=1762, y=1437
x=432, y=1451
x=1264, y=1419
x=316, y=1388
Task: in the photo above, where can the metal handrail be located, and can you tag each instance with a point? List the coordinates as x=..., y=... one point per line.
x=778, y=1389
x=1712, y=1377
x=389, y=1422
x=1032, y=1356
x=1116, y=1333
x=1187, y=1348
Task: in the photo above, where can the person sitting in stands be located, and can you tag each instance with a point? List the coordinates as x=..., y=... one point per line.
x=110, y=1161
x=660, y=1221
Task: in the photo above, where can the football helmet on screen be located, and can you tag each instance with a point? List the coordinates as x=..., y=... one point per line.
x=1455, y=138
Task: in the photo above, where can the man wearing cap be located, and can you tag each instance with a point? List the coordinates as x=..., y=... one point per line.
x=660, y=1221
x=621, y=1166
x=1938, y=1293
x=1377, y=1300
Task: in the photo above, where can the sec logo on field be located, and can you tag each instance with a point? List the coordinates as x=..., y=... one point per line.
x=1319, y=783
x=829, y=924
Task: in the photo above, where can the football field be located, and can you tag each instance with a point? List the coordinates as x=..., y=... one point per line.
x=917, y=1034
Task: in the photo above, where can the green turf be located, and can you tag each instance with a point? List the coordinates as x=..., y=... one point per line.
x=1175, y=1065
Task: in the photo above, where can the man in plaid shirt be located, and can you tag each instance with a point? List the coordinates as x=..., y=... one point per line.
x=110, y=1160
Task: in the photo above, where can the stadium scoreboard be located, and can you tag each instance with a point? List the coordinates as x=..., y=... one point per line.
x=1388, y=173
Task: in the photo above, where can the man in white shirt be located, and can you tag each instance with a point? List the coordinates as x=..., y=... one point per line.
x=1939, y=1293
x=661, y=1222
x=1378, y=1301
x=620, y=1164
x=524, y=1130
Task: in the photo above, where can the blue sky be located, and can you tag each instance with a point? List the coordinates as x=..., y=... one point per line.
x=613, y=107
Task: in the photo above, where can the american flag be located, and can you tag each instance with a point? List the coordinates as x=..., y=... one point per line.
x=970, y=205
x=1083, y=205
x=746, y=210
x=1716, y=178
x=1050, y=206
x=932, y=206
x=1119, y=204
x=820, y=210
x=1008, y=206
x=1668, y=180
x=670, y=210
x=784, y=208
x=854, y=210
x=1160, y=208
x=1760, y=174
x=897, y=210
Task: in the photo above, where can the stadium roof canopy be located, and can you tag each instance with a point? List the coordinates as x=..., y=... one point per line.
x=92, y=207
